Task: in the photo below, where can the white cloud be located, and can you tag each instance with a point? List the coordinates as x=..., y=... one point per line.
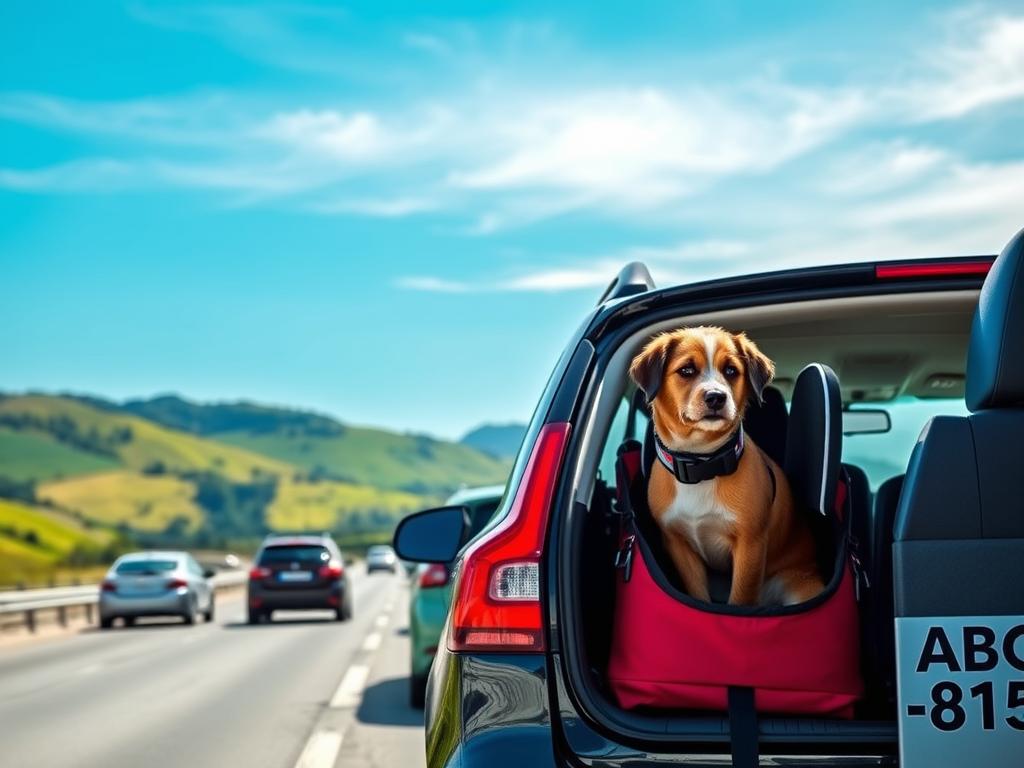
x=433, y=284
x=76, y=176
x=503, y=156
x=880, y=167
x=641, y=148
x=982, y=64
x=386, y=208
x=973, y=192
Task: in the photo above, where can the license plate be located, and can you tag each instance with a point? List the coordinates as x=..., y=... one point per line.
x=961, y=691
x=295, y=576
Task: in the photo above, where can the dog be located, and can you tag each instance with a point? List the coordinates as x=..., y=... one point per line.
x=719, y=500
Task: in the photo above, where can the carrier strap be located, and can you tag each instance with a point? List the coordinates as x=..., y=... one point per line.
x=743, y=727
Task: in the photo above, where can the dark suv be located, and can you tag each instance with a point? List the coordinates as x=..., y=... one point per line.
x=298, y=573
x=520, y=674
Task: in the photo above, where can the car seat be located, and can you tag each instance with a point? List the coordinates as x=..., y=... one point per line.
x=959, y=530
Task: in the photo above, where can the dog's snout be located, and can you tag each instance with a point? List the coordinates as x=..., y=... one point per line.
x=714, y=399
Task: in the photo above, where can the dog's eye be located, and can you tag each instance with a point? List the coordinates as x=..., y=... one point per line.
x=730, y=371
x=687, y=371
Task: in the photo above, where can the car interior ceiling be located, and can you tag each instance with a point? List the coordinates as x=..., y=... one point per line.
x=881, y=347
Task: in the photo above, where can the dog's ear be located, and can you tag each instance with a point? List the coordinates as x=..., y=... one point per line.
x=648, y=368
x=760, y=370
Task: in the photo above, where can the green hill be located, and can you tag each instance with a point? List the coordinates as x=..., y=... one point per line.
x=325, y=447
x=34, y=542
x=499, y=440
x=411, y=463
x=125, y=440
x=142, y=502
x=34, y=455
x=171, y=472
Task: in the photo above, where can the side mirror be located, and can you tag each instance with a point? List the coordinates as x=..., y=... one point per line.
x=866, y=421
x=209, y=573
x=433, y=535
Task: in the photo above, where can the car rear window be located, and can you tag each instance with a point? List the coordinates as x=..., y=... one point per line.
x=480, y=516
x=374, y=551
x=146, y=566
x=295, y=553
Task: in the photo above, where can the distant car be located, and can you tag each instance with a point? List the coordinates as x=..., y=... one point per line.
x=381, y=558
x=155, y=584
x=431, y=591
x=298, y=573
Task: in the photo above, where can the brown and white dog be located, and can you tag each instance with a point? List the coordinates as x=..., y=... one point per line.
x=723, y=502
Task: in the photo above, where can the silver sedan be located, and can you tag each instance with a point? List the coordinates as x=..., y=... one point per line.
x=155, y=584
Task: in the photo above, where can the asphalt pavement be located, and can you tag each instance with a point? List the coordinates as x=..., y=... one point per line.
x=303, y=691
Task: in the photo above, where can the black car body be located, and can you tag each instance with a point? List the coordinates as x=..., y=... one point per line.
x=515, y=682
x=298, y=573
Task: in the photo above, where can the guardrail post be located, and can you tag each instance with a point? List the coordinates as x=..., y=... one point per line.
x=30, y=620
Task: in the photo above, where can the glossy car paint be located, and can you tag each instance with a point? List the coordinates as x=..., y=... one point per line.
x=121, y=598
x=497, y=710
x=428, y=606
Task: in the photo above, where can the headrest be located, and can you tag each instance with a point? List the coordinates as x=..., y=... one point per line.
x=995, y=365
x=815, y=441
x=766, y=423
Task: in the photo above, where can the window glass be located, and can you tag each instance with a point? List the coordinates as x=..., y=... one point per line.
x=146, y=567
x=295, y=553
x=616, y=436
x=887, y=454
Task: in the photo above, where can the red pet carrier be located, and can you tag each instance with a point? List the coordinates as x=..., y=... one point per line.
x=671, y=651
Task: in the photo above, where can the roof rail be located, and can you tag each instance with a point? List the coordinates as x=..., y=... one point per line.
x=632, y=279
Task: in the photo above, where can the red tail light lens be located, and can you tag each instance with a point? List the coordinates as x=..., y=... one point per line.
x=176, y=583
x=951, y=269
x=258, y=573
x=331, y=571
x=435, y=575
x=108, y=586
x=497, y=595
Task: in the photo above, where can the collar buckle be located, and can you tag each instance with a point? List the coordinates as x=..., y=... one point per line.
x=692, y=468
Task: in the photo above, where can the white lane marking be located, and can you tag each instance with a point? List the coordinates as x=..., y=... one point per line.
x=189, y=640
x=372, y=641
x=321, y=751
x=382, y=620
x=92, y=669
x=350, y=690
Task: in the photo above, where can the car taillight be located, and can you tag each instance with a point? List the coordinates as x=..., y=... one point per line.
x=949, y=269
x=497, y=593
x=434, y=575
x=108, y=586
x=331, y=571
x=176, y=583
x=258, y=573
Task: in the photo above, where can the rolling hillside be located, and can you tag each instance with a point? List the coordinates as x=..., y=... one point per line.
x=142, y=502
x=35, y=541
x=33, y=455
x=327, y=505
x=414, y=464
x=168, y=471
x=499, y=440
x=327, y=448
x=130, y=441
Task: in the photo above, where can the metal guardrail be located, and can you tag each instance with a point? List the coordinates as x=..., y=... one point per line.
x=28, y=601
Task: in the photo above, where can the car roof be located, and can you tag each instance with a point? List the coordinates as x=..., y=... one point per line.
x=470, y=495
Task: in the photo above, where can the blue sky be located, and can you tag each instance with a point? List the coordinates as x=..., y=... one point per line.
x=398, y=216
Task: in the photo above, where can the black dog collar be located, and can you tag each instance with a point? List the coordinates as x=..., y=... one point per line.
x=691, y=468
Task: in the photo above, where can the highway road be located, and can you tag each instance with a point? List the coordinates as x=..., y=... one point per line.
x=303, y=691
